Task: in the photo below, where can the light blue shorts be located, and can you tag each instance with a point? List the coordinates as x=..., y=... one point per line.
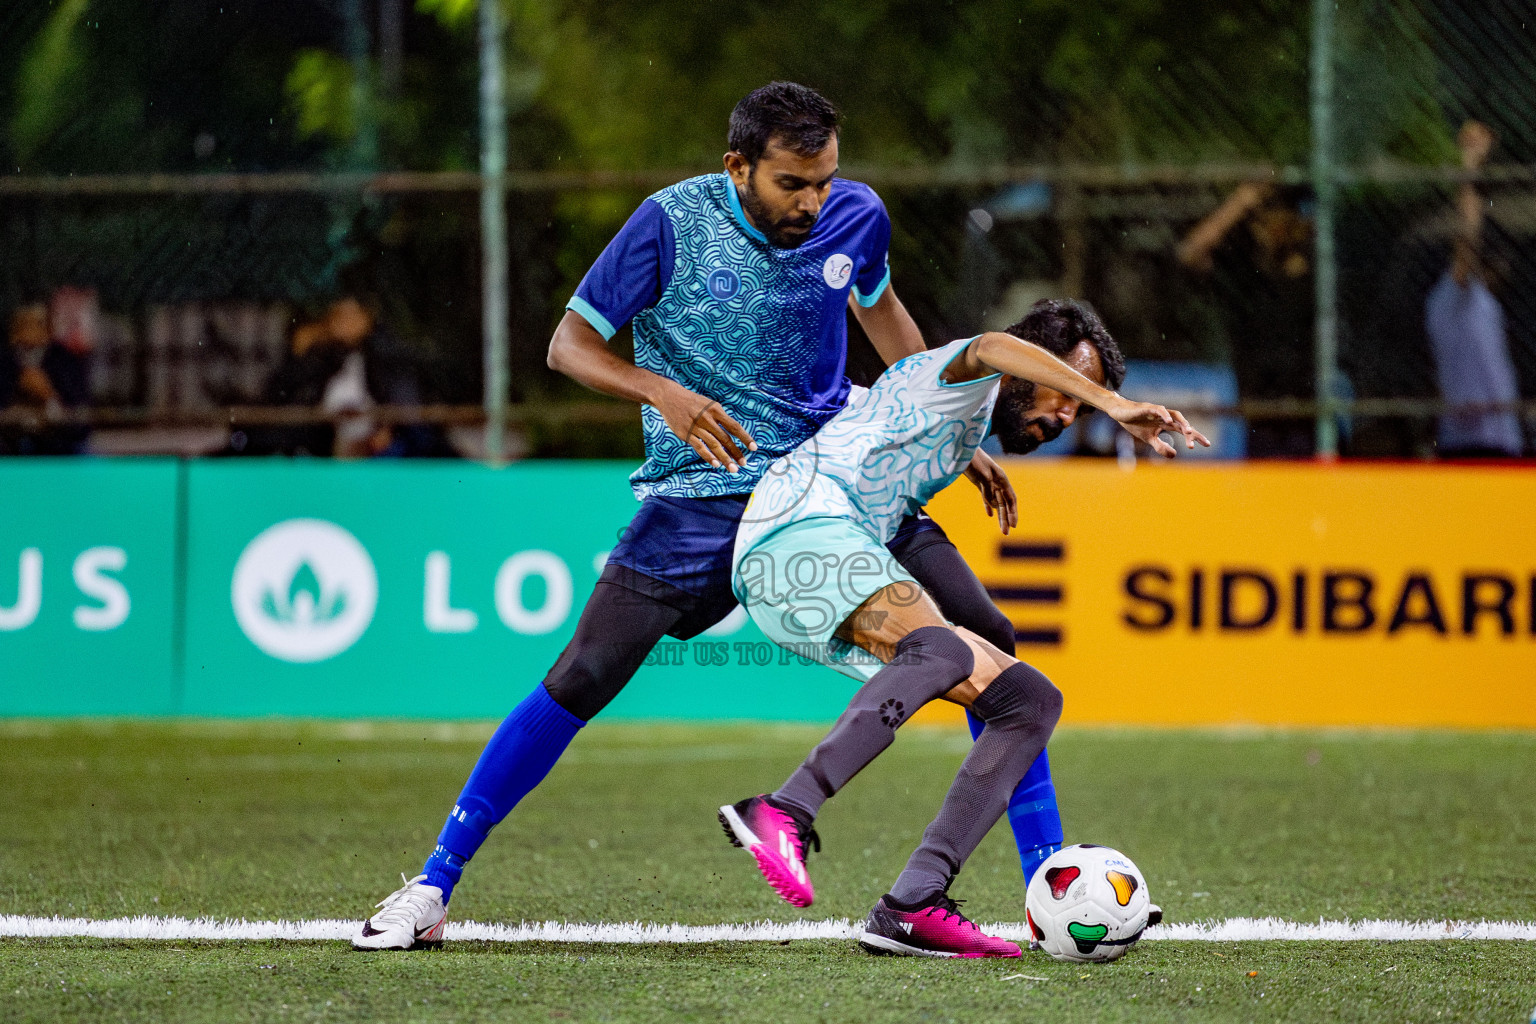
x=803, y=581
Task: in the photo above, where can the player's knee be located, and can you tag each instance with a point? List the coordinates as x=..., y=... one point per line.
x=1051, y=702
x=569, y=696
x=939, y=646
x=1020, y=697
x=580, y=682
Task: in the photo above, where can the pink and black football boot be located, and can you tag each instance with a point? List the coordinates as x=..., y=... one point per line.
x=778, y=841
x=934, y=927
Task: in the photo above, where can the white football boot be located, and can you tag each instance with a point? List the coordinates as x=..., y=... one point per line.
x=412, y=915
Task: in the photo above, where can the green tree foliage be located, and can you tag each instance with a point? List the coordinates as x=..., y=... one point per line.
x=43, y=96
x=649, y=82
x=129, y=85
x=186, y=86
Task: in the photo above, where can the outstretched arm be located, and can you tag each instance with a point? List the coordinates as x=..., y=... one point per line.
x=995, y=352
x=579, y=351
x=895, y=336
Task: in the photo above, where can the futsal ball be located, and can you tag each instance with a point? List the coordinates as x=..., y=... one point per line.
x=1086, y=904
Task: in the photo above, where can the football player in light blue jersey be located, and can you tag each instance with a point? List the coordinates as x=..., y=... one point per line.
x=814, y=571
x=738, y=287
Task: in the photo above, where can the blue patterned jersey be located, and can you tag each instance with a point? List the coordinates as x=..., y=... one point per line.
x=883, y=457
x=759, y=329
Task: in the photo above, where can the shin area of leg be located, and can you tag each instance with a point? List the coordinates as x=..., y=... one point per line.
x=927, y=663
x=1019, y=710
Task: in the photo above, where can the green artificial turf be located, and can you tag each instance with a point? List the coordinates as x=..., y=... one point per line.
x=802, y=982
x=290, y=820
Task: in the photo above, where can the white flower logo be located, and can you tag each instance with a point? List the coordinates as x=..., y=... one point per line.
x=304, y=590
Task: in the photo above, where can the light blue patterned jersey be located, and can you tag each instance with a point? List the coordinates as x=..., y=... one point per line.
x=762, y=330
x=883, y=457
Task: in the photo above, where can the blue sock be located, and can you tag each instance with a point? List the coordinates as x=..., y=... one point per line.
x=523, y=750
x=1032, y=811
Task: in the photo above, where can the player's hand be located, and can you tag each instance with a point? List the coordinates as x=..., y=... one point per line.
x=704, y=425
x=996, y=490
x=1145, y=421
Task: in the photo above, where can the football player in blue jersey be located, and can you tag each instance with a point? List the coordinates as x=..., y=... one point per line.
x=813, y=569
x=737, y=286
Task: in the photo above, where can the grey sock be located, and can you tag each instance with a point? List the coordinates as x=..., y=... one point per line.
x=1020, y=708
x=927, y=664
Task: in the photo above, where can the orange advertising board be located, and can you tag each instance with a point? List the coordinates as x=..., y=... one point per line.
x=1268, y=594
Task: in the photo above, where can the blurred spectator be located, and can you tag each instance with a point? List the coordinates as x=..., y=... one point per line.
x=1466, y=329
x=1256, y=249
x=345, y=364
x=46, y=368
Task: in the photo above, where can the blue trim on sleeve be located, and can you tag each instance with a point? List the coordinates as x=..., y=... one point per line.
x=583, y=308
x=739, y=213
x=962, y=383
x=874, y=296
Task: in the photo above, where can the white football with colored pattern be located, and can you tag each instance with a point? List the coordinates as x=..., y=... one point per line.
x=1087, y=903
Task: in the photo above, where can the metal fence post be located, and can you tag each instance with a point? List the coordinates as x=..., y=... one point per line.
x=493, y=229
x=365, y=145
x=1325, y=271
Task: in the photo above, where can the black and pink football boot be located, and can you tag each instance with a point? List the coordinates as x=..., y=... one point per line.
x=934, y=927
x=777, y=841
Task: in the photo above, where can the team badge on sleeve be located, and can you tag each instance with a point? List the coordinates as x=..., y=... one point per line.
x=837, y=271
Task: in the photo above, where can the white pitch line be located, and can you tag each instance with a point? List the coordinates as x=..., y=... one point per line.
x=1270, y=929
x=1237, y=929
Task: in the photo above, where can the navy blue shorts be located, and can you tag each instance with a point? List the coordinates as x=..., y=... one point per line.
x=678, y=551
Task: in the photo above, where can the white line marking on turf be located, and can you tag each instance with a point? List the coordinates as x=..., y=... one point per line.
x=1237, y=929
x=1260, y=929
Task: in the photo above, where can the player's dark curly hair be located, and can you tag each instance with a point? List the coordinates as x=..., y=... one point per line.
x=800, y=118
x=1058, y=325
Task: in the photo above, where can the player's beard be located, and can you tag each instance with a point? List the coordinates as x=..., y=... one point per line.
x=774, y=229
x=1011, y=419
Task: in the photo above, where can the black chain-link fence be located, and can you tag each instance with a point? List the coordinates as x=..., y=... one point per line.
x=1182, y=207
